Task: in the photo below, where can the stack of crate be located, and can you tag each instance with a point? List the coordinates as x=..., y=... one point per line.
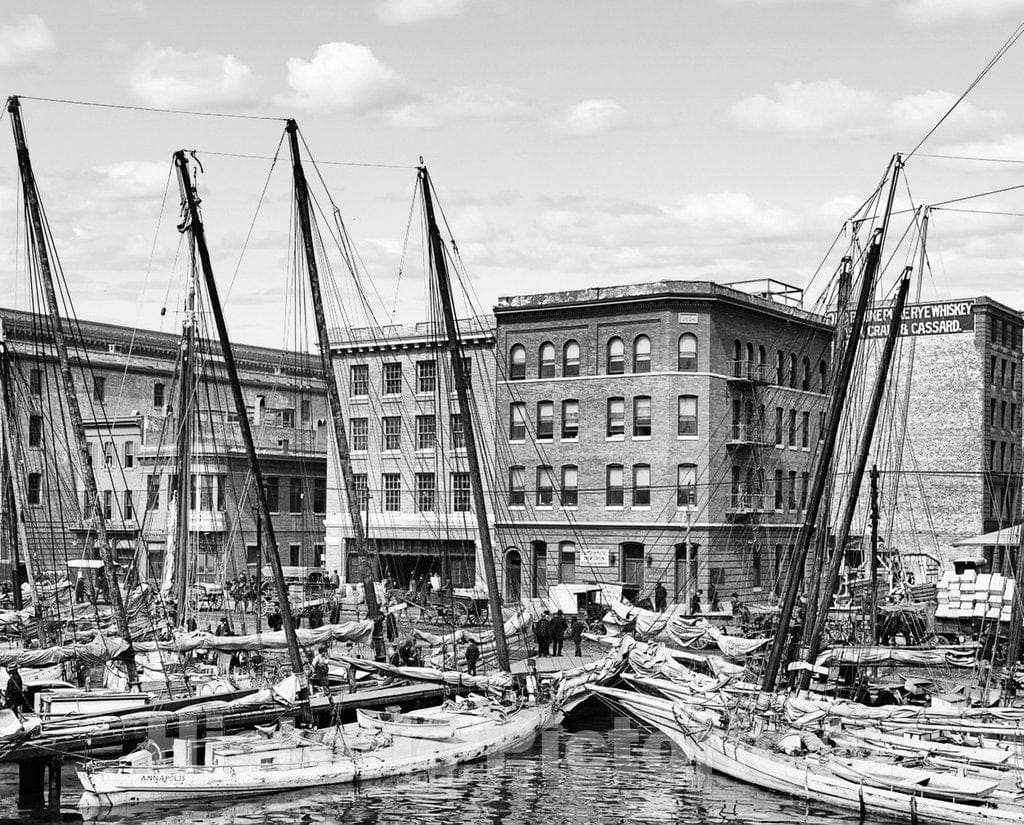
x=973, y=595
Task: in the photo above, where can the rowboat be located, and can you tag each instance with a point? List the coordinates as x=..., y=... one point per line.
x=405, y=724
x=252, y=763
x=814, y=778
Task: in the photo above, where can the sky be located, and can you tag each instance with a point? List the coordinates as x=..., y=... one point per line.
x=572, y=143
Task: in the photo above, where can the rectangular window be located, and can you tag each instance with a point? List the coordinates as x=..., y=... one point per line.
x=571, y=360
x=992, y=413
x=99, y=388
x=288, y=418
x=153, y=492
x=206, y=492
x=35, y=488
x=778, y=427
x=517, y=486
x=426, y=432
x=686, y=485
x=129, y=454
x=570, y=419
x=641, y=485
x=517, y=421
x=546, y=368
x=992, y=370
x=567, y=562
x=792, y=489
x=391, y=429
x=392, y=484
x=305, y=411
x=1002, y=372
x=821, y=426
x=108, y=504
x=458, y=433
x=360, y=429
x=129, y=506
x=425, y=492
x=222, y=485
x=361, y=486
x=35, y=431
x=687, y=417
x=613, y=486
x=35, y=382
x=570, y=486
x=460, y=492
x=295, y=555
x=642, y=415
x=273, y=494
x=108, y=454
x=805, y=483
x=295, y=495
x=616, y=417
x=545, y=420
x=545, y=487
x=158, y=395
x=805, y=430
x=319, y=495
x=1013, y=376
x=792, y=428
x=1002, y=415
x=392, y=379
x=1013, y=416
x=467, y=371
x=426, y=377
x=359, y=380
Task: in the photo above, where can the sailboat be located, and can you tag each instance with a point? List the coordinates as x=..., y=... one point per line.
x=460, y=731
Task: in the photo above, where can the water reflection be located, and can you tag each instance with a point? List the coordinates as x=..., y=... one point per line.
x=600, y=770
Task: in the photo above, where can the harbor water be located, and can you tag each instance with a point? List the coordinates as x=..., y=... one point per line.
x=598, y=769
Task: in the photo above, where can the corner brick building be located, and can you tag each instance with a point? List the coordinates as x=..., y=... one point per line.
x=127, y=390
x=655, y=432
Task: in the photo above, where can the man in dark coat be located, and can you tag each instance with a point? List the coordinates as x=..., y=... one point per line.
x=558, y=627
x=274, y=620
x=14, y=695
x=472, y=657
x=660, y=597
x=576, y=634
x=695, y=603
x=542, y=630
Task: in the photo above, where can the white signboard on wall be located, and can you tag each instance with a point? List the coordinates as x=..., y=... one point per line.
x=593, y=557
x=687, y=318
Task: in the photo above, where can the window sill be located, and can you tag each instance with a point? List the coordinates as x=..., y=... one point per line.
x=517, y=507
x=571, y=507
x=687, y=438
x=359, y=399
x=425, y=395
x=615, y=437
x=396, y=397
x=544, y=507
x=641, y=507
x=390, y=453
x=517, y=441
x=641, y=438
x=547, y=439
x=425, y=451
x=570, y=439
x=614, y=507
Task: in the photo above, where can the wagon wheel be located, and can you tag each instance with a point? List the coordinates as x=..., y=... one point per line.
x=428, y=614
x=216, y=601
x=460, y=615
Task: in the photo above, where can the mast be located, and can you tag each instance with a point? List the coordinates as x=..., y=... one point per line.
x=16, y=513
x=333, y=395
x=856, y=479
x=194, y=225
x=437, y=253
x=97, y=522
x=874, y=554
x=835, y=411
x=183, y=457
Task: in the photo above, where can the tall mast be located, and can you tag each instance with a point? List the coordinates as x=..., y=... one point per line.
x=333, y=395
x=835, y=411
x=437, y=252
x=863, y=451
x=97, y=521
x=194, y=225
x=874, y=555
x=183, y=457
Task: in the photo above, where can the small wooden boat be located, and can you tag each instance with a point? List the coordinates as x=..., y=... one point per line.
x=405, y=724
x=914, y=780
x=76, y=702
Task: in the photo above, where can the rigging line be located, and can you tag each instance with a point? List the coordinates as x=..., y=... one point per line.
x=367, y=165
x=981, y=212
x=972, y=158
x=977, y=195
x=1007, y=45
x=126, y=106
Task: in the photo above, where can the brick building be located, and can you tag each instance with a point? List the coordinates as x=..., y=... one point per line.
x=405, y=435
x=127, y=388
x=655, y=432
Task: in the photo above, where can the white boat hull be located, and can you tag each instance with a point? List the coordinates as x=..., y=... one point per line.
x=476, y=737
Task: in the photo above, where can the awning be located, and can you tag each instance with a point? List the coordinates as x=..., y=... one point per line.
x=1004, y=537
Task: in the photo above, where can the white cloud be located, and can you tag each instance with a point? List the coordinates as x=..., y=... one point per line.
x=345, y=76
x=590, y=117
x=134, y=178
x=463, y=103
x=830, y=105
x=1007, y=147
x=168, y=77
x=21, y=41
x=735, y=210
x=416, y=11
x=942, y=11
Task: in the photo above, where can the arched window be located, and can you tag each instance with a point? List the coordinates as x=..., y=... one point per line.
x=780, y=368
x=792, y=370
x=737, y=350
x=517, y=363
x=616, y=364
x=823, y=374
x=750, y=353
x=571, y=358
x=762, y=356
x=567, y=562
x=546, y=365
x=806, y=385
x=642, y=354
x=687, y=352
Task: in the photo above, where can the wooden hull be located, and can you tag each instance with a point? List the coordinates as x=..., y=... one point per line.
x=805, y=778
x=402, y=724
x=476, y=737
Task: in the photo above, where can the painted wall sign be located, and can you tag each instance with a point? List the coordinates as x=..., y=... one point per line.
x=687, y=318
x=593, y=557
x=937, y=318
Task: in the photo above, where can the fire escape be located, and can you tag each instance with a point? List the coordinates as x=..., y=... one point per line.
x=748, y=436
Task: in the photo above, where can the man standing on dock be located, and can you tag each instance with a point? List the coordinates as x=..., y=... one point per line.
x=660, y=597
x=472, y=657
x=576, y=633
x=558, y=627
x=542, y=630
